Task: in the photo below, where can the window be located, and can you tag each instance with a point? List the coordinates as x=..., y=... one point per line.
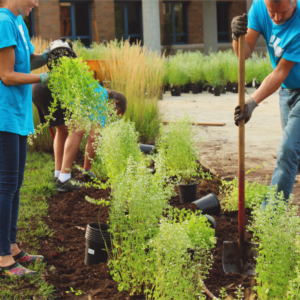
x=175, y=23
x=30, y=24
x=75, y=21
x=223, y=22
x=128, y=21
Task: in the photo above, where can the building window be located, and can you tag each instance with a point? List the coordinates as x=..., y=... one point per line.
x=128, y=21
x=75, y=21
x=223, y=22
x=30, y=24
x=175, y=23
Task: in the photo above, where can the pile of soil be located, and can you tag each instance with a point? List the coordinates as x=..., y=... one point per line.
x=64, y=252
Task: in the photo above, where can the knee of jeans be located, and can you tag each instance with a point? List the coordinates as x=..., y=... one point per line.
x=8, y=187
x=20, y=181
x=288, y=150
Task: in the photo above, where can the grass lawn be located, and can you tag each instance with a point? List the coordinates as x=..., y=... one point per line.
x=38, y=184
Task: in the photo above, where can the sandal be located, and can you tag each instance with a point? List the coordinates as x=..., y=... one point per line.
x=23, y=257
x=15, y=271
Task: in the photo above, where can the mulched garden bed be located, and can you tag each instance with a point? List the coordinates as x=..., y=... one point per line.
x=64, y=252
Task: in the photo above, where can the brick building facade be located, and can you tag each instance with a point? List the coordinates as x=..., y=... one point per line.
x=181, y=21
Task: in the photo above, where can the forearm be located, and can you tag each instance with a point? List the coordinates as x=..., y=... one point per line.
x=15, y=78
x=269, y=86
x=248, y=51
x=37, y=61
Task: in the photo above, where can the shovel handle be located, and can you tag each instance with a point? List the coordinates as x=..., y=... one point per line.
x=241, y=212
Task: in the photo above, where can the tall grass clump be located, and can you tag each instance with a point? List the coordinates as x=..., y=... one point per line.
x=233, y=67
x=194, y=67
x=139, y=74
x=212, y=71
x=264, y=68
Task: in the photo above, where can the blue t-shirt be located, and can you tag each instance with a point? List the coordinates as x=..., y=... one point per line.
x=16, y=101
x=282, y=40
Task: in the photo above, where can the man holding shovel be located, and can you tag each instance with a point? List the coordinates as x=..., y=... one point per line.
x=279, y=23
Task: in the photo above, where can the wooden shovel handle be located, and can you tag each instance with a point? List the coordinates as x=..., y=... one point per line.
x=241, y=216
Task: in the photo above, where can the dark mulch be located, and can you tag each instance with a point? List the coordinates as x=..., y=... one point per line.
x=68, y=217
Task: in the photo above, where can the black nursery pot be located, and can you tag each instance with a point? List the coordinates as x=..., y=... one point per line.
x=147, y=149
x=195, y=88
x=249, y=85
x=187, y=88
x=97, y=238
x=200, y=88
x=188, y=192
x=167, y=87
x=223, y=89
x=235, y=88
x=257, y=85
x=211, y=221
x=176, y=91
x=211, y=89
x=229, y=87
x=217, y=91
x=208, y=205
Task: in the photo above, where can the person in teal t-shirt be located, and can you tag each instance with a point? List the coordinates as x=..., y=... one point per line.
x=16, y=122
x=278, y=21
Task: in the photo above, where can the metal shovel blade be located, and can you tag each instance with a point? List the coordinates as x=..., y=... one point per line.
x=237, y=260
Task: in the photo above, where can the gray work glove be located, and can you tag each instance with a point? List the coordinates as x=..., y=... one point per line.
x=44, y=79
x=239, y=26
x=45, y=54
x=249, y=108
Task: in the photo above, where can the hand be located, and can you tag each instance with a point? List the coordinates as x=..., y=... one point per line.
x=249, y=107
x=239, y=26
x=45, y=79
x=45, y=54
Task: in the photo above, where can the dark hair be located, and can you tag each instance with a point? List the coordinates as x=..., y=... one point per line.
x=121, y=103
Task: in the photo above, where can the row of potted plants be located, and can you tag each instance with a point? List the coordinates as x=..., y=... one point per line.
x=218, y=72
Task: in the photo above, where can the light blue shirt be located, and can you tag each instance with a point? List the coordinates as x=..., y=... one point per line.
x=282, y=40
x=16, y=101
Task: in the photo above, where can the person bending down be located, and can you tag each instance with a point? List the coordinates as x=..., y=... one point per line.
x=66, y=145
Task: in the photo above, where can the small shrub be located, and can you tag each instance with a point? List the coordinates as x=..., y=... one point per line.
x=212, y=71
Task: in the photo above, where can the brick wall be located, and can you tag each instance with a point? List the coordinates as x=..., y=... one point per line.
x=195, y=22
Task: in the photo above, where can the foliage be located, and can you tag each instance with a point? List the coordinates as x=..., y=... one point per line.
x=254, y=193
x=212, y=71
x=194, y=67
x=275, y=229
x=96, y=51
x=233, y=70
x=118, y=142
x=176, y=146
x=264, y=68
x=177, y=70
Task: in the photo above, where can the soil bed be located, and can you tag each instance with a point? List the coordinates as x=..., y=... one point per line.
x=64, y=252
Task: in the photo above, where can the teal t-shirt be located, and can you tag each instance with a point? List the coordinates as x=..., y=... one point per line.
x=16, y=101
x=282, y=40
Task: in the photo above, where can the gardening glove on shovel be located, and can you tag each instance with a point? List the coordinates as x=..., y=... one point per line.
x=45, y=79
x=239, y=26
x=249, y=107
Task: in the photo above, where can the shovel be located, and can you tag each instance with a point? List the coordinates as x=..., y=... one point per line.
x=239, y=256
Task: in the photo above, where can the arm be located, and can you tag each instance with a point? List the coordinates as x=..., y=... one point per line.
x=273, y=81
x=250, y=42
x=36, y=61
x=7, y=73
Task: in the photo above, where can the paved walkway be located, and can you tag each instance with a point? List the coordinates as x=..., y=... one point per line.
x=219, y=145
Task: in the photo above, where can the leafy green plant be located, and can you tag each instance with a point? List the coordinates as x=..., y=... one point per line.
x=194, y=67
x=177, y=73
x=275, y=229
x=264, y=68
x=212, y=71
x=233, y=67
x=176, y=146
x=254, y=193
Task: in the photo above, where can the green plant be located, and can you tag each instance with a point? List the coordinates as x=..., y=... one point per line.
x=77, y=293
x=239, y=292
x=212, y=71
x=264, y=68
x=194, y=68
x=177, y=70
x=223, y=293
x=254, y=193
x=233, y=67
x=177, y=147
x=275, y=230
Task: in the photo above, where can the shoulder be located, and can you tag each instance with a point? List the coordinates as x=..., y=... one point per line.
x=6, y=22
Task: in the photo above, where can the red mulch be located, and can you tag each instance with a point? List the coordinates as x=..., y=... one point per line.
x=69, y=215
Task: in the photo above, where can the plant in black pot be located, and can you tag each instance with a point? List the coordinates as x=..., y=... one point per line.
x=213, y=73
x=233, y=71
x=176, y=147
x=195, y=71
x=177, y=75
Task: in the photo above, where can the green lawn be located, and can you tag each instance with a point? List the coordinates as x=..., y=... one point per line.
x=38, y=183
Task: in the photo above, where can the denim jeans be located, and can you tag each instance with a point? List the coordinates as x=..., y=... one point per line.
x=289, y=149
x=13, y=151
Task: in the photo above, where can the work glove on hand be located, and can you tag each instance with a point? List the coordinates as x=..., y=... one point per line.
x=45, y=54
x=249, y=108
x=45, y=79
x=239, y=26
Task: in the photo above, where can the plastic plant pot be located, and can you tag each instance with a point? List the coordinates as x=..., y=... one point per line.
x=217, y=91
x=211, y=89
x=223, y=89
x=147, y=149
x=200, y=88
x=195, y=88
x=211, y=221
x=97, y=239
x=176, y=91
x=235, y=88
x=228, y=87
x=188, y=192
x=257, y=85
x=187, y=88
x=249, y=85
x=208, y=205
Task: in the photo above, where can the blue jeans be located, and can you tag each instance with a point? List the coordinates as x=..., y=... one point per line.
x=288, y=156
x=13, y=151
